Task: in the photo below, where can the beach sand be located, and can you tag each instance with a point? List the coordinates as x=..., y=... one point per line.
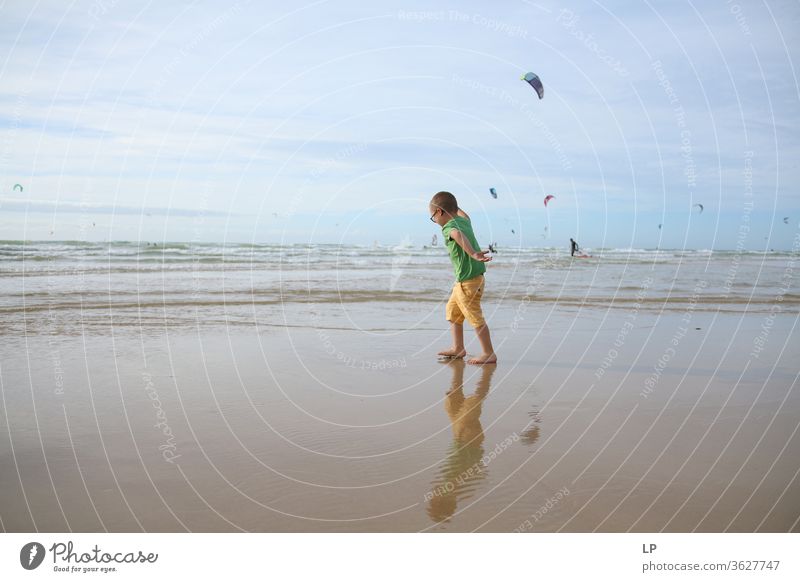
x=313, y=428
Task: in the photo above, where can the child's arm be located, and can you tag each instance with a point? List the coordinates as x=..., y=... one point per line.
x=464, y=243
x=462, y=214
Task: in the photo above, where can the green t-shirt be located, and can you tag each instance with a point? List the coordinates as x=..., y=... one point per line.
x=465, y=267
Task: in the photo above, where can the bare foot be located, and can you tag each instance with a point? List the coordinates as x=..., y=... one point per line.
x=453, y=353
x=483, y=359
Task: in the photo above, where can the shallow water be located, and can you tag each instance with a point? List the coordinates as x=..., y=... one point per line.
x=76, y=285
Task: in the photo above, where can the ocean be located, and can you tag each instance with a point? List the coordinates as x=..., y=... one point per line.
x=81, y=286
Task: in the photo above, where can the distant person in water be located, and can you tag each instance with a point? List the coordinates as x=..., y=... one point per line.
x=573, y=247
x=468, y=264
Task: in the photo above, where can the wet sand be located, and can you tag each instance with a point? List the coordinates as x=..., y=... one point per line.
x=304, y=429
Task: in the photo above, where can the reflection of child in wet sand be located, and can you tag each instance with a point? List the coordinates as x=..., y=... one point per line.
x=463, y=466
x=465, y=411
x=468, y=263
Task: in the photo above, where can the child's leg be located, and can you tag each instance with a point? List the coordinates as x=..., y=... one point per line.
x=456, y=318
x=457, y=351
x=485, y=339
x=457, y=331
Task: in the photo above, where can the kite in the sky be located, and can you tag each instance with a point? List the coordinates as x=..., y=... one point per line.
x=547, y=199
x=512, y=231
x=701, y=208
x=18, y=186
x=493, y=192
x=533, y=80
x=785, y=220
x=659, y=227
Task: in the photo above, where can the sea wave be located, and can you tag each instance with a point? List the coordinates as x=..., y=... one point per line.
x=139, y=282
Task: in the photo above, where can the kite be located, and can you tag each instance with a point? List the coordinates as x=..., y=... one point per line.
x=547, y=199
x=659, y=227
x=534, y=81
x=434, y=241
x=493, y=192
x=701, y=208
x=785, y=220
x=512, y=231
x=492, y=247
x=18, y=186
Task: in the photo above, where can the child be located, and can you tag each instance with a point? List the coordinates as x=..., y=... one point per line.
x=468, y=263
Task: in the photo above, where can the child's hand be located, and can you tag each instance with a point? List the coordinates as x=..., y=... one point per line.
x=481, y=256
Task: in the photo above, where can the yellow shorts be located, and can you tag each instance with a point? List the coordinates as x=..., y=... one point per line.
x=465, y=302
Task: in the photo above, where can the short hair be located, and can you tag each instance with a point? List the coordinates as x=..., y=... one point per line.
x=445, y=201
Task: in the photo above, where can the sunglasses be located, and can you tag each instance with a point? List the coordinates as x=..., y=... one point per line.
x=438, y=210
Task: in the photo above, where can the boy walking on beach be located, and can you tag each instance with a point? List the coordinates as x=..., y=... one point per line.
x=468, y=263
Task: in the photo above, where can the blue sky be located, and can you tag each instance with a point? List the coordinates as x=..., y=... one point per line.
x=336, y=121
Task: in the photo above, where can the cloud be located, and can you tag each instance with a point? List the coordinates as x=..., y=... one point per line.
x=58, y=207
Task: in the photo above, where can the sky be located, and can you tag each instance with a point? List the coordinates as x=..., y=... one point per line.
x=336, y=121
